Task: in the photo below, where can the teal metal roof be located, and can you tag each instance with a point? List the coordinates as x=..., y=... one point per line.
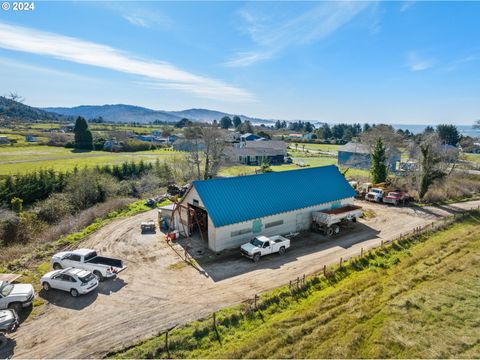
x=236, y=199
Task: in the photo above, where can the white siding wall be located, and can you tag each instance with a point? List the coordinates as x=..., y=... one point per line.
x=188, y=199
x=297, y=220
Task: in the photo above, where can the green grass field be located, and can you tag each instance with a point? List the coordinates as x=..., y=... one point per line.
x=318, y=147
x=475, y=158
x=415, y=299
x=310, y=161
x=20, y=159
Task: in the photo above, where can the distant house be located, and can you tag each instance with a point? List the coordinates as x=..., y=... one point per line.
x=233, y=136
x=188, y=145
x=112, y=145
x=250, y=137
x=68, y=128
x=357, y=155
x=254, y=152
x=295, y=136
x=149, y=138
x=31, y=138
x=4, y=140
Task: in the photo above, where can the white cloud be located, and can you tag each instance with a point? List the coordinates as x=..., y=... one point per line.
x=275, y=33
x=88, y=53
x=419, y=63
x=137, y=13
x=406, y=5
x=242, y=59
x=7, y=62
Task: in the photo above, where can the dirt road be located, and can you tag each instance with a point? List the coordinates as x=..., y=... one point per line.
x=158, y=291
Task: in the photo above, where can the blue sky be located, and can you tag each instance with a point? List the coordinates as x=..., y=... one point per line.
x=394, y=62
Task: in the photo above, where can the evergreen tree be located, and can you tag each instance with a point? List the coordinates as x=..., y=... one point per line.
x=226, y=122
x=379, y=162
x=83, y=135
x=236, y=121
x=448, y=134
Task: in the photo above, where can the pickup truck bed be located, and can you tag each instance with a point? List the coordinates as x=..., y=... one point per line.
x=117, y=263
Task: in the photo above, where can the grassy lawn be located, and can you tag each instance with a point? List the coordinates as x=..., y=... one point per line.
x=35, y=157
x=311, y=161
x=318, y=147
x=475, y=158
x=415, y=299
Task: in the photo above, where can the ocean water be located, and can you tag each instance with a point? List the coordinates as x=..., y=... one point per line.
x=466, y=130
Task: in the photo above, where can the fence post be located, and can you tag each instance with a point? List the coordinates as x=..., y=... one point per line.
x=341, y=262
x=255, y=302
x=361, y=252
x=325, y=270
x=381, y=244
x=303, y=279
x=166, y=345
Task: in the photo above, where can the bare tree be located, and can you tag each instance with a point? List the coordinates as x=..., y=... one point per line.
x=13, y=95
x=193, y=134
x=214, y=140
x=207, y=145
x=436, y=161
x=386, y=133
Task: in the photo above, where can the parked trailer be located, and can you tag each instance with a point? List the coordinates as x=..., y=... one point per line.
x=148, y=226
x=329, y=221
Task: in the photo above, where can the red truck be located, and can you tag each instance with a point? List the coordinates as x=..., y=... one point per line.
x=395, y=197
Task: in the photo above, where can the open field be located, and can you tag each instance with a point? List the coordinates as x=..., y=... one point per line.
x=24, y=159
x=417, y=301
x=319, y=147
x=155, y=292
x=475, y=158
x=312, y=161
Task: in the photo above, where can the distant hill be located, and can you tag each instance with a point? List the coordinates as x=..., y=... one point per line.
x=14, y=110
x=117, y=113
x=130, y=113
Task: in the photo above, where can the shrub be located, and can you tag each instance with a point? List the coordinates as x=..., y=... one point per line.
x=135, y=145
x=54, y=208
x=9, y=225
x=88, y=188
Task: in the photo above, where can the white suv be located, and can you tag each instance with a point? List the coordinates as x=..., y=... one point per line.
x=75, y=281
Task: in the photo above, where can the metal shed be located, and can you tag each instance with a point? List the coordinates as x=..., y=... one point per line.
x=233, y=210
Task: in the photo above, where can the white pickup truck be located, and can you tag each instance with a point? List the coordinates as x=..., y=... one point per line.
x=262, y=245
x=15, y=296
x=87, y=259
x=329, y=221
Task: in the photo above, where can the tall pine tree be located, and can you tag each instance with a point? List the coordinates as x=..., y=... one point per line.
x=379, y=162
x=83, y=135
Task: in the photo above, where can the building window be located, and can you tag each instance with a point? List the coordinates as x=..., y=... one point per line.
x=195, y=202
x=240, y=232
x=273, y=223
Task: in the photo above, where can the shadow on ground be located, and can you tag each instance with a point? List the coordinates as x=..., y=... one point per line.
x=7, y=347
x=228, y=264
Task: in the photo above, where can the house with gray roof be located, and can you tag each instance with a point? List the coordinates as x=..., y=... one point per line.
x=357, y=155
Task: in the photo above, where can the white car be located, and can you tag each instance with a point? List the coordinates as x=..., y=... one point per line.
x=75, y=281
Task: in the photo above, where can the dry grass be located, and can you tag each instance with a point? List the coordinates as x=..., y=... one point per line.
x=68, y=225
x=457, y=186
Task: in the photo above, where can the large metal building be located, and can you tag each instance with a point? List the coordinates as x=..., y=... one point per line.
x=230, y=211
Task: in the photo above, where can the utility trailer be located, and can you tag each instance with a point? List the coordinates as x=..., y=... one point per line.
x=147, y=226
x=328, y=221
